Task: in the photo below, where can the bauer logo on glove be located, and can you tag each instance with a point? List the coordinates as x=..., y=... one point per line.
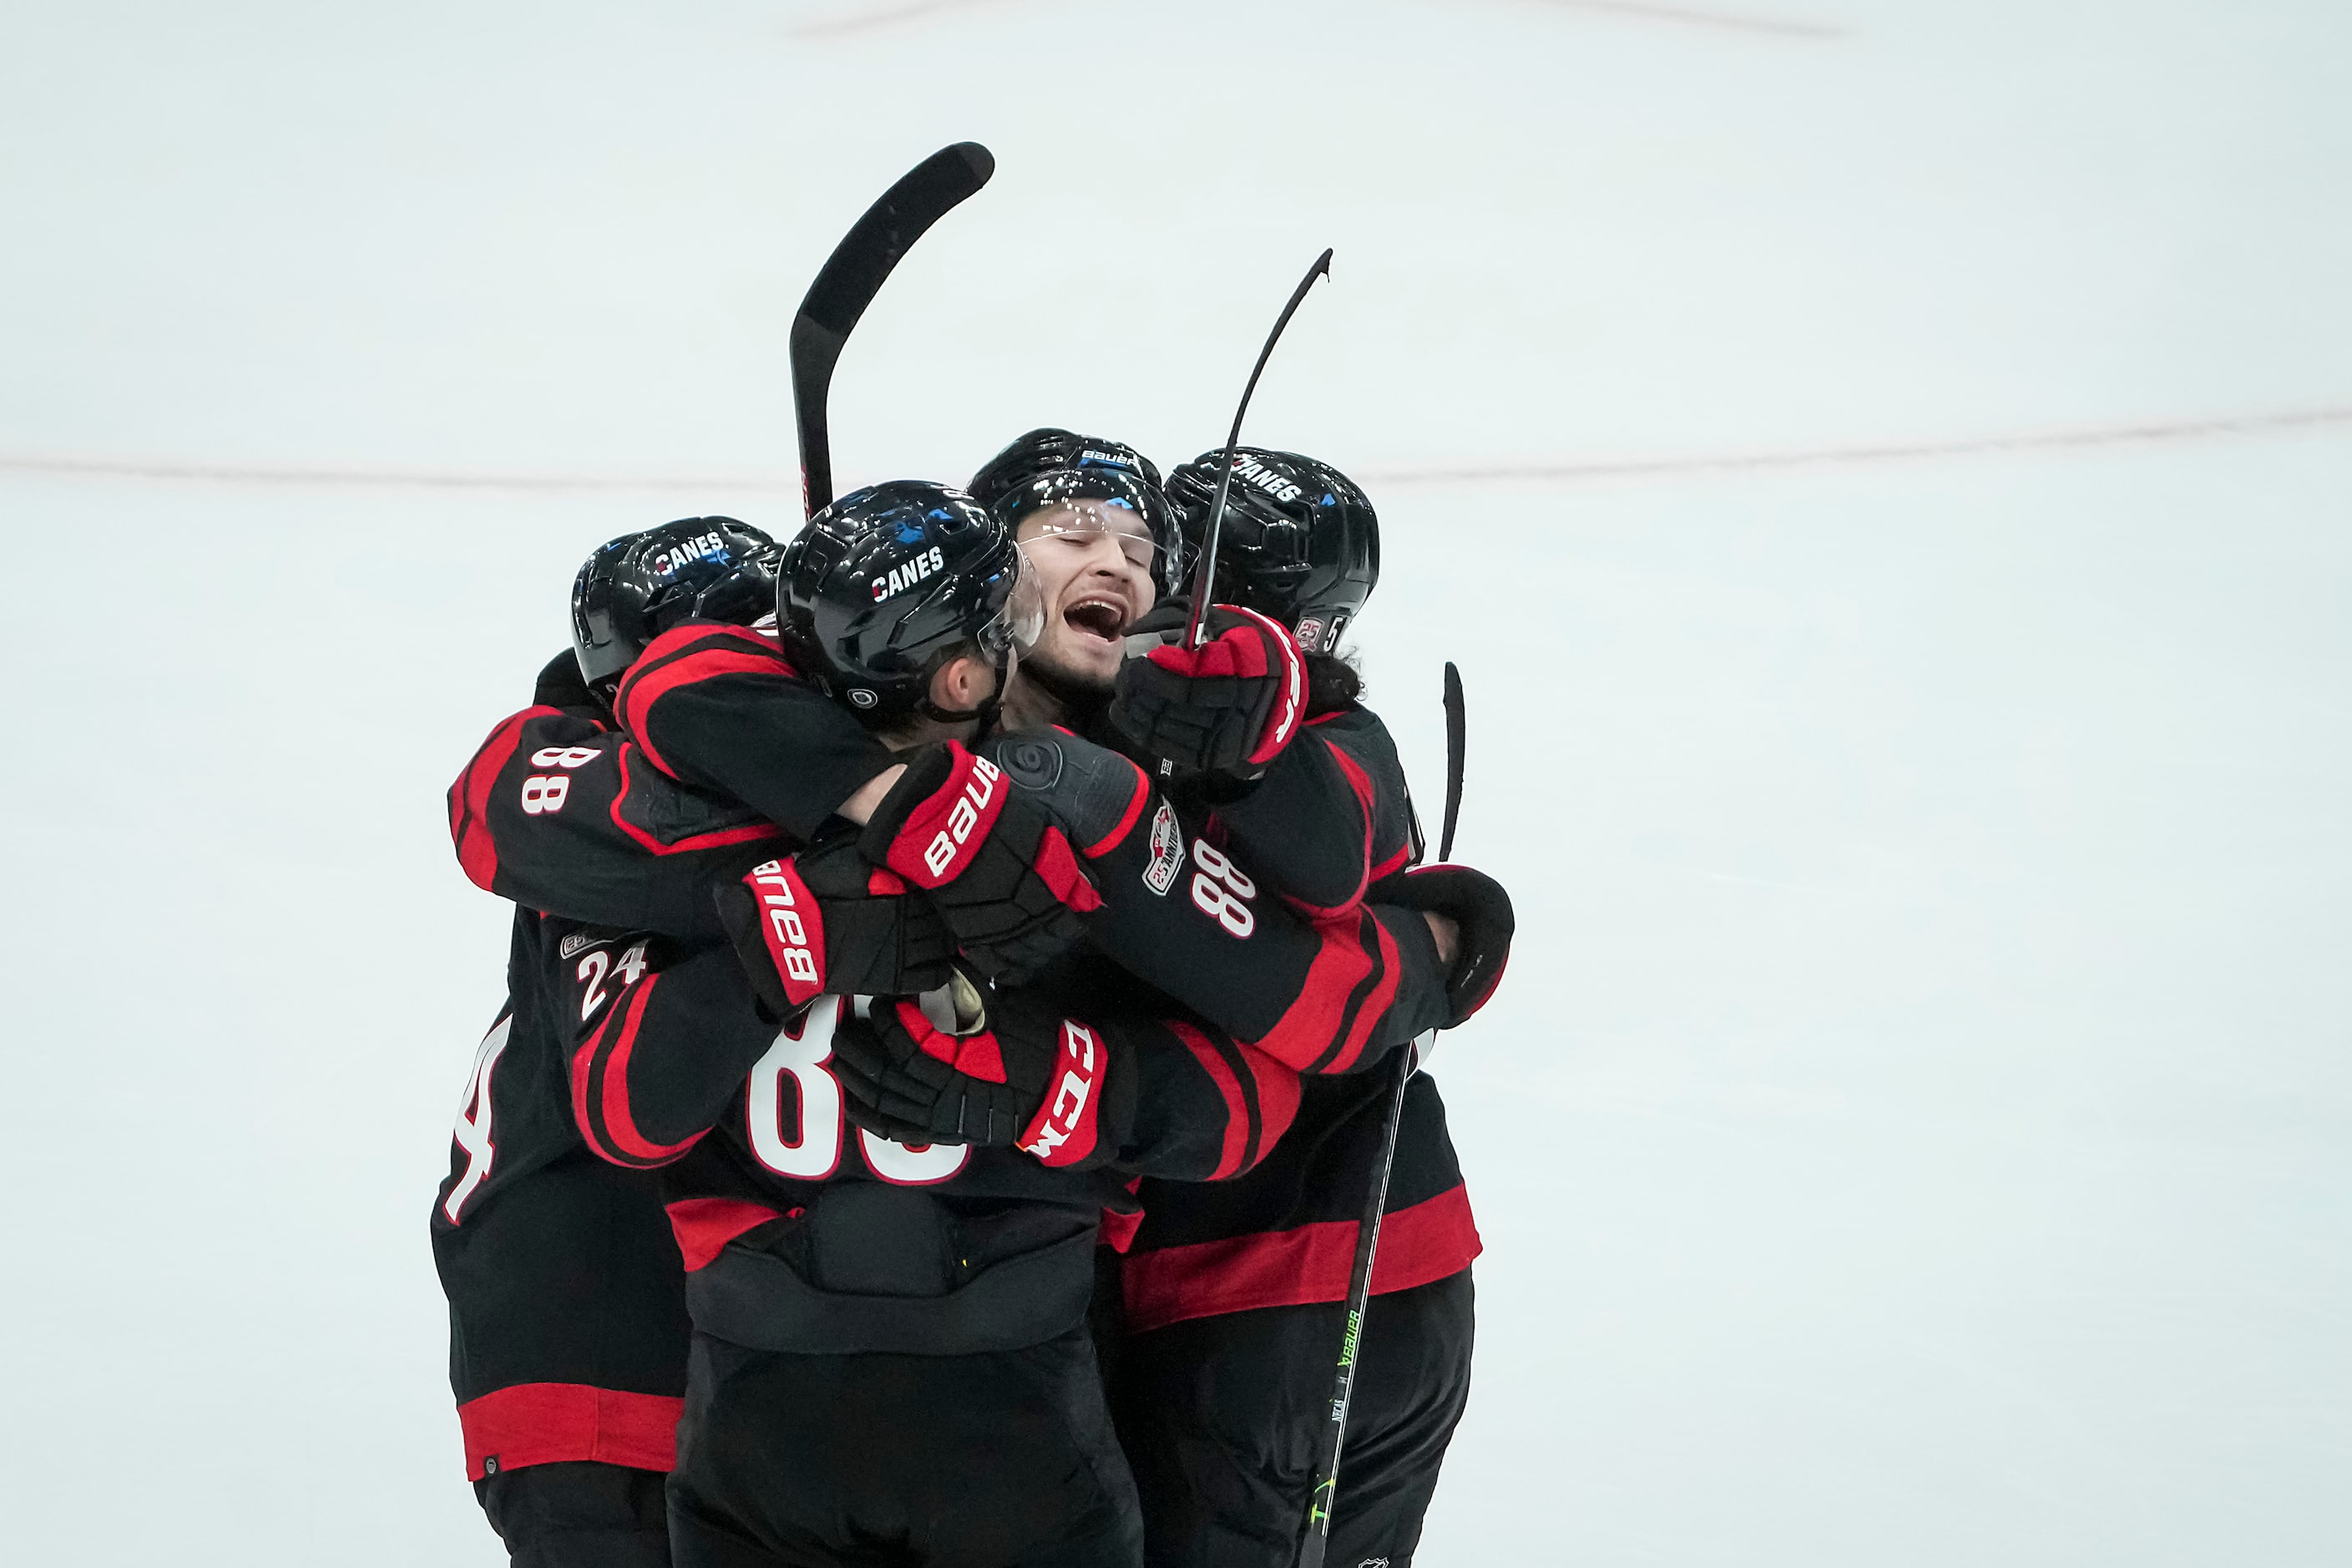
x=826, y=919
x=995, y=866
x=792, y=928
x=943, y=809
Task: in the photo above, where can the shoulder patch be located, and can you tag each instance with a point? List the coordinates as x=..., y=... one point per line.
x=1167, y=851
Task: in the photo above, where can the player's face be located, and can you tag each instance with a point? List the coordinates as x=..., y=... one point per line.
x=1093, y=564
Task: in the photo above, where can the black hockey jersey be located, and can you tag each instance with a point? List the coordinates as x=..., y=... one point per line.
x=802, y=1232
x=567, y=1301
x=1331, y=816
x=1321, y=992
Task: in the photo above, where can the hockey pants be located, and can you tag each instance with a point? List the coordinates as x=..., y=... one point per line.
x=1220, y=1417
x=997, y=1459
x=576, y=1514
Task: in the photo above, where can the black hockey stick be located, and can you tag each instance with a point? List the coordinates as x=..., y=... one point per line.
x=1455, y=740
x=1204, y=577
x=850, y=278
x=1324, y=1491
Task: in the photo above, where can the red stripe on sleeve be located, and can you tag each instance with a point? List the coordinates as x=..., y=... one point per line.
x=469, y=799
x=674, y=659
x=1302, y=1037
x=620, y=1126
x=552, y=1423
x=1375, y=1003
x=1277, y=1096
x=750, y=833
x=1117, y=836
x=584, y=1073
x=1236, y=1145
x=1360, y=782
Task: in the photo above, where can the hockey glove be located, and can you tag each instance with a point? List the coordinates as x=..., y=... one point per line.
x=1002, y=875
x=1481, y=911
x=1023, y=1076
x=826, y=920
x=1228, y=706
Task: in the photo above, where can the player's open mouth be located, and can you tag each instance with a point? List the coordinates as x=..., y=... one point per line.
x=1096, y=618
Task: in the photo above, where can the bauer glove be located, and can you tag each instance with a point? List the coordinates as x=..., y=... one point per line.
x=1481, y=911
x=991, y=859
x=1229, y=706
x=1020, y=1075
x=826, y=920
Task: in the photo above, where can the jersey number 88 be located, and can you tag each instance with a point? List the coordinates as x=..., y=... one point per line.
x=1222, y=891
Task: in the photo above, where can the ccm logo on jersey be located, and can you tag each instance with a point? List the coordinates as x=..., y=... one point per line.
x=791, y=926
x=1063, y=1131
x=904, y=576
x=1259, y=475
x=701, y=548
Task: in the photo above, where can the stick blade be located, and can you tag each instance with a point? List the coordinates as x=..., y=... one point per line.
x=850, y=278
x=1456, y=742
x=854, y=274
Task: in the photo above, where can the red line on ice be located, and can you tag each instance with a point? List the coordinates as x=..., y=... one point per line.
x=2166, y=432
x=867, y=21
x=1574, y=471
x=1722, y=21
x=168, y=468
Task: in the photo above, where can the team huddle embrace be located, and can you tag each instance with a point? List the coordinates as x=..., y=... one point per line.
x=950, y=1027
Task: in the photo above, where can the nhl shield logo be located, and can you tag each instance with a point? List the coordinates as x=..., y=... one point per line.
x=1167, y=851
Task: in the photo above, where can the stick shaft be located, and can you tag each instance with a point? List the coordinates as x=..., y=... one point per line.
x=1323, y=1494
x=1324, y=1487
x=1205, y=574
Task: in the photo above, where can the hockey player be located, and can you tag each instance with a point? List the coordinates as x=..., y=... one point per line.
x=680, y=691
x=567, y=1318
x=890, y=1361
x=1233, y=1293
x=1325, y=992
x=1094, y=519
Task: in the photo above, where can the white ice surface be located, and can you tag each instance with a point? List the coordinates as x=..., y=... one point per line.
x=1918, y=1127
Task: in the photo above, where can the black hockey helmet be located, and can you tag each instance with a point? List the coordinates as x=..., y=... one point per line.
x=1051, y=466
x=1299, y=542
x=887, y=579
x=1047, y=449
x=639, y=586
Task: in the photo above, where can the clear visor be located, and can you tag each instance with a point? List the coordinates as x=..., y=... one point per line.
x=1084, y=520
x=1020, y=618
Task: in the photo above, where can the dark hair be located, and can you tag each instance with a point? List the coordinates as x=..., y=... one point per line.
x=900, y=723
x=1333, y=683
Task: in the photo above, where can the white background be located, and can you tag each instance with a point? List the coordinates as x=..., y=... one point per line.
x=1915, y=1128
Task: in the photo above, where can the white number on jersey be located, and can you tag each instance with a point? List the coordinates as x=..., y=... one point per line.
x=472, y=1132
x=1221, y=891
x=812, y=1151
